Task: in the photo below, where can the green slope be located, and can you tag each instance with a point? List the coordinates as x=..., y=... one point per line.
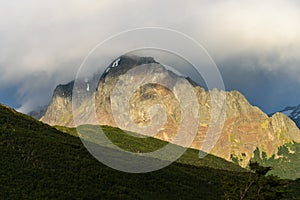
x=40, y=162
x=286, y=164
x=149, y=144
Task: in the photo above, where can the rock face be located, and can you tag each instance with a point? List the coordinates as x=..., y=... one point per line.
x=60, y=107
x=245, y=128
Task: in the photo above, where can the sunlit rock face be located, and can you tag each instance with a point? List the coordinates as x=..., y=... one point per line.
x=154, y=109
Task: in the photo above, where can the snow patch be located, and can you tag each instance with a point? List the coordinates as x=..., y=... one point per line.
x=116, y=63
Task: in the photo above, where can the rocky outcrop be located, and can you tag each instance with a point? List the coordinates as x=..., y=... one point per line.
x=60, y=108
x=245, y=128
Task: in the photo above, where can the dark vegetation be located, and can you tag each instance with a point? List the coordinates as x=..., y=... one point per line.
x=258, y=185
x=286, y=163
x=41, y=162
x=135, y=144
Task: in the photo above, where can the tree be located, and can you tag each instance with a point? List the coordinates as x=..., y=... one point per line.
x=258, y=185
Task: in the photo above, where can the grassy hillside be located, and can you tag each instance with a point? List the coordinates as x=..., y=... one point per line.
x=149, y=144
x=286, y=164
x=41, y=162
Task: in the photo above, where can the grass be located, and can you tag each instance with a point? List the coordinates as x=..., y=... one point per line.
x=135, y=144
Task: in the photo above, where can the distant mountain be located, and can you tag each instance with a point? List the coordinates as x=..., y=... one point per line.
x=246, y=127
x=293, y=112
x=38, y=112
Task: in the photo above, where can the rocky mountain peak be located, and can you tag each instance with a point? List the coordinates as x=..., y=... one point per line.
x=124, y=63
x=246, y=127
x=64, y=90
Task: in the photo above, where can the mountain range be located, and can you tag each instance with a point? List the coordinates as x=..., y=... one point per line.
x=246, y=131
x=39, y=161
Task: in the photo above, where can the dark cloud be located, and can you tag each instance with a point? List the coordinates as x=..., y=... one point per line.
x=255, y=43
x=268, y=89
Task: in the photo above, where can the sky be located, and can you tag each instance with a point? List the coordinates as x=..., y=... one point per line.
x=255, y=44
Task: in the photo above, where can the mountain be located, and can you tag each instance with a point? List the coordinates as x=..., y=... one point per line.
x=40, y=162
x=38, y=112
x=246, y=127
x=292, y=112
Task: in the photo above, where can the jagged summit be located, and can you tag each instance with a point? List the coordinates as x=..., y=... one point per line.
x=64, y=90
x=124, y=63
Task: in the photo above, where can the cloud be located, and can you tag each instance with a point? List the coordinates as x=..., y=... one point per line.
x=271, y=90
x=44, y=42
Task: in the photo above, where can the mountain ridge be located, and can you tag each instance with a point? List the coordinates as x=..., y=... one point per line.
x=246, y=126
x=292, y=112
